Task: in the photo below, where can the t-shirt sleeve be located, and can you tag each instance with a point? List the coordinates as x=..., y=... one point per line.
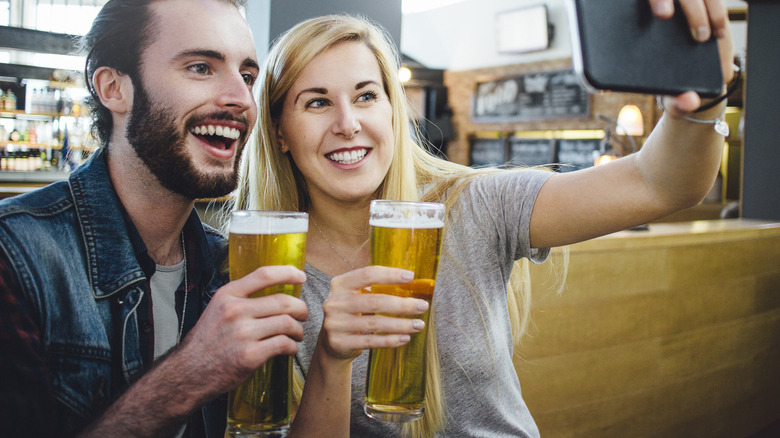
x=498, y=209
x=27, y=403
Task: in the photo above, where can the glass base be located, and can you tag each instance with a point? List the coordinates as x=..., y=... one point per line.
x=237, y=432
x=393, y=414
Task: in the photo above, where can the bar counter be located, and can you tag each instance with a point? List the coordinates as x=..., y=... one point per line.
x=673, y=331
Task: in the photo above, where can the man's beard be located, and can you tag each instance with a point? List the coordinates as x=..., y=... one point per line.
x=153, y=134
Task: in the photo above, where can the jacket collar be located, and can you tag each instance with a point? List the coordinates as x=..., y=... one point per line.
x=112, y=264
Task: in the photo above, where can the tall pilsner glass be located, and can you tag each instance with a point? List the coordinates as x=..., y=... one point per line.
x=261, y=406
x=404, y=235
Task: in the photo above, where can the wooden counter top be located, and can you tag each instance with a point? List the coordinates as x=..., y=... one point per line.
x=683, y=233
x=671, y=332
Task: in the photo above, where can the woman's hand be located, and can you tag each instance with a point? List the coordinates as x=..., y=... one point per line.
x=705, y=18
x=352, y=322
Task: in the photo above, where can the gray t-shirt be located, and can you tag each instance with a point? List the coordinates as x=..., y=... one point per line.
x=488, y=232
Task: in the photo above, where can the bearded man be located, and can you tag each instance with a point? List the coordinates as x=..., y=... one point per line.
x=105, y=278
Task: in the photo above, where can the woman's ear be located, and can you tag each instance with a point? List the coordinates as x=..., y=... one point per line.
x=114, y=89
x=280, y=138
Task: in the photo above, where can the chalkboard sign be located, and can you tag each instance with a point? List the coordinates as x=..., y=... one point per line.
x=578, y=154
x=531, y=152
x=537, y=96
x=488, y=151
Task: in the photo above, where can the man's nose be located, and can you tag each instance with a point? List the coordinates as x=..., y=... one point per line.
x=235, y=94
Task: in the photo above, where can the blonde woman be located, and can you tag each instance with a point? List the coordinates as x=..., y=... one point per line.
x=334, y=134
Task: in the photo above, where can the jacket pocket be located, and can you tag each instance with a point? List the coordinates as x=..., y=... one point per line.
x=80, y=377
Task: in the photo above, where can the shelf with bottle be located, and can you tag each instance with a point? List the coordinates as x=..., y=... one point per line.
x=58, y=143
x=42, y=161
x=25, y=115
x=56, y=147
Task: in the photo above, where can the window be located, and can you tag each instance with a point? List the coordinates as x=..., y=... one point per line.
x=60, y=16
x=5, y=13
x=66, y=16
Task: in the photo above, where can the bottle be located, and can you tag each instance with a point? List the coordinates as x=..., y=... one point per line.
x=10, y=100
x=32, y=136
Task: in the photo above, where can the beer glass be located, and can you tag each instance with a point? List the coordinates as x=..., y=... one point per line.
x=404, y=235
x=261, y=405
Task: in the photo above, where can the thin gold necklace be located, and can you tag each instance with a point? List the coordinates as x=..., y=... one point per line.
x=331, y=245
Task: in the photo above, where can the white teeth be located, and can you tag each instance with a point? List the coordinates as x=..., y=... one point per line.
x=222, y=131
x=349, y=157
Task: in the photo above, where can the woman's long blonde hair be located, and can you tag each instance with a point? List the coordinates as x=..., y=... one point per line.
x=269, y=179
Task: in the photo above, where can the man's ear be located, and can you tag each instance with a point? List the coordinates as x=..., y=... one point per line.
x=114, y=89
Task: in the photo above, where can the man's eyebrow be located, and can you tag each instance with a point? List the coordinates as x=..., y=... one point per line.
x=204, y=53
x=251, y=63
x=213, y=54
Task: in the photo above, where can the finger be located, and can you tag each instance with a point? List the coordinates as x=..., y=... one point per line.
x=662, y=8
x=261, y=352
x=726, y=51
x=262, y=278
x=358, y=342
x=261, y=329
x=229, y=309
x=718, y=16
x=375, y=324
x=698, y=20
x=681, y=105
x=374, y=303
x=364, y=277
x=277, y=304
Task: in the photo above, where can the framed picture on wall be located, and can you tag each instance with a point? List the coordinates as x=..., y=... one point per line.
x=487, y=151
x=545, y=95
x=523, y=30
x=531, y=151
x=575, y=154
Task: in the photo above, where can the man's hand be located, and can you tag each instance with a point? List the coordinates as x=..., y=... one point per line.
x=234, y=336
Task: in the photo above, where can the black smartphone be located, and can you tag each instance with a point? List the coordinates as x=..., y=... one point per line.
x=618, y=45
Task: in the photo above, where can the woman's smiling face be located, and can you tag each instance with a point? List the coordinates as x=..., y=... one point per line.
x=337, y=123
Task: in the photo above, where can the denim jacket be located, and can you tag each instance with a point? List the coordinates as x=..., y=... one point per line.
x=69, y=248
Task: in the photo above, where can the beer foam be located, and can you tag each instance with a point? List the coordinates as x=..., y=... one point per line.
x=419, y=222
x=256, y=224
x=401, y=214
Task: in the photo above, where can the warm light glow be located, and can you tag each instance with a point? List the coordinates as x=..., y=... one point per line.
x=630, y=121
x=404, y=74
x=604, y=159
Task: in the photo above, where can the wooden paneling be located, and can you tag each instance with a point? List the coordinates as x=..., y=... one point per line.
x=673, y=332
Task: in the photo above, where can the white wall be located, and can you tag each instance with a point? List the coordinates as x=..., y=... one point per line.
x=462, y=36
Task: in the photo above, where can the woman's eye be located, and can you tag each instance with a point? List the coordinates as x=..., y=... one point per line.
x=368, y=96
x=316, y=103
x=201, y=69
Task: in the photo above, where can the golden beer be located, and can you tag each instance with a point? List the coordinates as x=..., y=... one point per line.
x=261, y=405
x=403, y=235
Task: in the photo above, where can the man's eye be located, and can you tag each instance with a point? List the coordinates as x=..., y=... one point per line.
x=201, y=69
x=249, y=78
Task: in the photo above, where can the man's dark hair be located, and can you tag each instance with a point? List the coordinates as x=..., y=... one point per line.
x=119, y=34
